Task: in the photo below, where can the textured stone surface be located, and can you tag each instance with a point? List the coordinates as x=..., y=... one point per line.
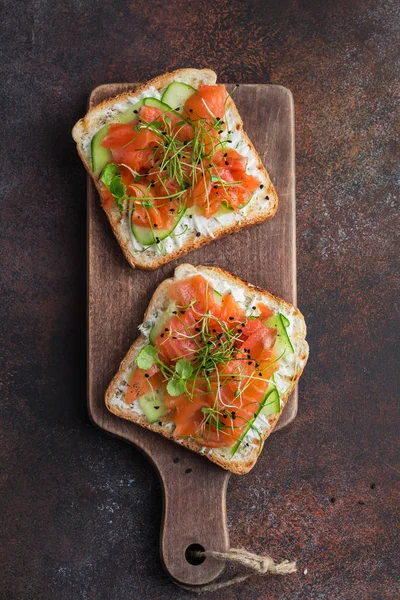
x=82, y=510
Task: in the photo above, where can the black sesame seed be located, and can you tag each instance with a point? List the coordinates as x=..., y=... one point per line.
x=239, y=330
x=254, y=307
x=156, y=407
x=226, y=162
x=190, y=109
x=261, y=186
x=197, y=329
x=190, y=216
x=249, y=363
x=146, y=375
x=267, y=197
x=225, y=154
x=182, y=312
x=166, y=329
x=174, y=312
x=155, y=225
x=198, y=234
x=333, y=500
x=174, y=337
x=136, y=112
x=162, y=335
x=160, y=423
x=157, y=240
x=188, y=470
x=373, y=486
x=361, y=502
x=214, y=331
x=221, y=131
x=231, y=318
x=260, y=374
x=215, y=186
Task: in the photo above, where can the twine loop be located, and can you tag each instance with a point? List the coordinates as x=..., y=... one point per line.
x=259, y=565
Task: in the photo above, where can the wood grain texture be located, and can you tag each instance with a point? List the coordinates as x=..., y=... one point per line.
x=194, y=489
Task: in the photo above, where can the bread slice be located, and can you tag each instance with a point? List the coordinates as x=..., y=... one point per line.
x=286, y=377
x=198, y=231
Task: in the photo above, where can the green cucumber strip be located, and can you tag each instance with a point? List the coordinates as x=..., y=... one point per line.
x=280, y=323
x=147, y=236
x=268, y=401
x=224, y=209
x=101, y=156
x=176, y=94
x=154, y=103
x=161, y=323
x=217, y=297
x=273, y=404
x=153, y=405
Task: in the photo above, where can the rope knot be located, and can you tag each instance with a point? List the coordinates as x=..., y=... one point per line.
x=260, y=565
x=266, y=565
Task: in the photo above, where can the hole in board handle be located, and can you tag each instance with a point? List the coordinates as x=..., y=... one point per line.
x=191, y=554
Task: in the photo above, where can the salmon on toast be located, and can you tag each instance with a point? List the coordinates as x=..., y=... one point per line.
x=213, y=367
x=173, y=166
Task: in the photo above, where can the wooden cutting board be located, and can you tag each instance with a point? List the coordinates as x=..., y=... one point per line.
x=194, y=488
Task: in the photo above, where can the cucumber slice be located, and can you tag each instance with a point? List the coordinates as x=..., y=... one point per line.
x=224, y=209
x=217, y=297
x=153, y=405
x=272, y=402
x=154, y=103
x=148, y=236
x=280, y=323
x=176, y=94
x=161, y=323
x=101, y=156
x=270, y=405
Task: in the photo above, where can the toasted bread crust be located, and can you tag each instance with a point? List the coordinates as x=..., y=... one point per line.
x=160, y=298
x=94, y=119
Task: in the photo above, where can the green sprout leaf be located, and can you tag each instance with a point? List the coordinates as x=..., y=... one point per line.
x=112, y=180
x=147, y=357
x=147, y=204
x=108, y=174
x=176, y=386
x=117, y=188
x=184, y=368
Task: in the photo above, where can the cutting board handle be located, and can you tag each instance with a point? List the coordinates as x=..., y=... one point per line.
x=194, y=516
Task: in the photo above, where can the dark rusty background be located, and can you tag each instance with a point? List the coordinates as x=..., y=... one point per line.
x=81, y=510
